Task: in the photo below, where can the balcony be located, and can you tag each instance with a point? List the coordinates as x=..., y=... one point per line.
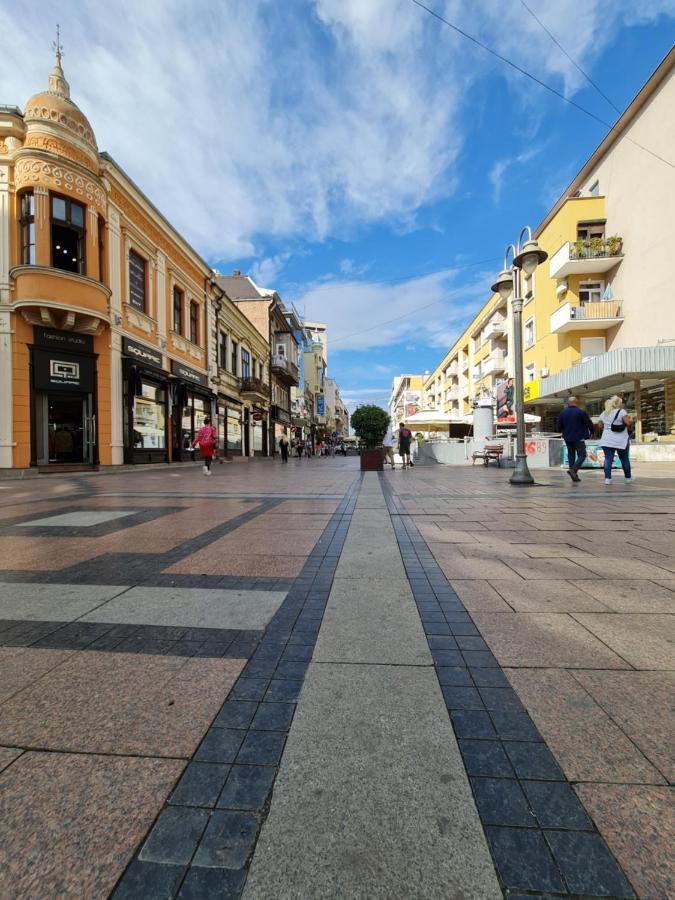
x=586, y=257
x=494, y=363
x=495, y=328
x=464, y=365
x=255, y=389
x=600, y=316
x=451, y=371
x=285, y=370
x=54, y=298
x=453, y=393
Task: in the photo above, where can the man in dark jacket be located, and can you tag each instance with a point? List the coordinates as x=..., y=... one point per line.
x=575, y=425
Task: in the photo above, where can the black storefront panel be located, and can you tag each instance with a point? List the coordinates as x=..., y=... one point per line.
x=54, y=370
x=143, y=355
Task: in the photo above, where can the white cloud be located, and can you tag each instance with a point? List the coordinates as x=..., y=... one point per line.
x=250, y=120
x=267, y=270
x=499, y=169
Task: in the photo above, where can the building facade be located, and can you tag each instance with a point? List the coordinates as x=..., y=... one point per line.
x=407, y=398
x=104, y=351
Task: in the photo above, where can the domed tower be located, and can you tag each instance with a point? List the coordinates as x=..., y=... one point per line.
x=54, y=300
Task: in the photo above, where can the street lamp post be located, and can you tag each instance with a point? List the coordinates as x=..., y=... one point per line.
x=526, y=256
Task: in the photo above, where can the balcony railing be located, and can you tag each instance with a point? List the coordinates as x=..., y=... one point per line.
x=586, y=257
x=282, y=365
x=494, y=362
x=601, y=315
x=493, y=328
x=255, y=386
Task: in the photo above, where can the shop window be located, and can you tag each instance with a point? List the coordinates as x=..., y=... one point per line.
x=101, y=250
x=67, y=228
x=233, y=430
x=149, y=417
x=245, y=364
x=222, y=350
x=528, y=333
x=178, y=299
x=234, y=368
x=28, y=228
x=194, y=322
x=137, y=281
x=591, y=291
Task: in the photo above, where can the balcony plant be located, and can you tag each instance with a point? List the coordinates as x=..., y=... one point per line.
x=614, y=245
x=578, y=250
x=596, y=246
x=370, y=425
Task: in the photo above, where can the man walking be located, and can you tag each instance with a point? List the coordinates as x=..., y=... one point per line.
x=404, y=438
x=387, y=445
x=283, y=446
x=575, y=425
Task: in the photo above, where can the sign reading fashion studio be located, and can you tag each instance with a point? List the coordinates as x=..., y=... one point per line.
x=141, y=353
x=63, y=340
x=187, y=374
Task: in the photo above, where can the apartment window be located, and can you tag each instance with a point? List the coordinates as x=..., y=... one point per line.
x=194, y=322
x=528, y=332
x=101, y=249
x=260, y=371
x=530, y=372
x=528, y=288
x=137, y=281
x=245, y=364
x=222, y=350
x=281, y=350
x=234, y=367
x=587, y=231
x=591, y=291
x=67, y=228
x=27, y=228
x=178, y=302
x=594, y=189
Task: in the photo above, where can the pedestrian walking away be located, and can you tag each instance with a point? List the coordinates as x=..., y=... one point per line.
x=404, y=438
x=575, y=425
x=388, y=444
x=205, y=439
x=615, y=438
x=283, y=447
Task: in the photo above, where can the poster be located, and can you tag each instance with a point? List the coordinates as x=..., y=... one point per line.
x=505, y=398
x=595, y=458
x=412, y=401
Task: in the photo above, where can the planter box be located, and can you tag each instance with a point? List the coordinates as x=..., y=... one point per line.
x=371, y=460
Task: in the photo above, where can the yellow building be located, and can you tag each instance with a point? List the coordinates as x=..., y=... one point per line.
x=105, y=349
x=407, y=398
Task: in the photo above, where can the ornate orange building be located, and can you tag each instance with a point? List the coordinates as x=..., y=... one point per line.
x=104, y=307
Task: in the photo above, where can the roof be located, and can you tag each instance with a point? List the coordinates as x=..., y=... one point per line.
x=240, y=287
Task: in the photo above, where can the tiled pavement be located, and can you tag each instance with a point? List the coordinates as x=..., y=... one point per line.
x=548, y=616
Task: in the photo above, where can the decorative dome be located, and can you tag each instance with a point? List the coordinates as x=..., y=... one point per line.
x=55, y=107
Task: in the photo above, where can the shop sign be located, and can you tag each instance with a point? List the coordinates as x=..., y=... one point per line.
x=62, y=371
x=141, y=353
x=530, y=391
x=187, y=374
x=64, y=340
x=320, y=405
x=257, y=415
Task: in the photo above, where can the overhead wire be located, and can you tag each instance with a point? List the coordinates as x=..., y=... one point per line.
x=536, y=80
x=571, y=59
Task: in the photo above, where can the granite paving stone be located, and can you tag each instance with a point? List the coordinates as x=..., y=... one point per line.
x=228, y=840
x=532, y=760
x=524, y=860
x=212, y=884
x=547, y=595
x=630, y=596
x=152, y=881
x=247, y=787
x=587, y=865
x=644, y=640
x=200, y=785
x=174, y=836
x=8, y=755
x=93, y=812
x=58, y=602
x=485, y=758
x=556, y=805
x=501, y=801
x=21, y=667
x=638, y=823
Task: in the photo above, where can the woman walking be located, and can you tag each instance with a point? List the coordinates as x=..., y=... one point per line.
x=615, y=423
x=205, y=439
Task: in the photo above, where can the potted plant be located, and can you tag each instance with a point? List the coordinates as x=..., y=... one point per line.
x=614, y=245
x=578, y=249
x=596, y=246
x=370, y=425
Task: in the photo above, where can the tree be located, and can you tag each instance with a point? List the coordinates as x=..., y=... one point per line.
x=370, y=424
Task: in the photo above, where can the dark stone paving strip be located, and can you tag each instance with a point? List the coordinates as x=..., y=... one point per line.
x=216, y=582
x=154, y=640
x=541, y=838
x=202, y=841
x=138, y=517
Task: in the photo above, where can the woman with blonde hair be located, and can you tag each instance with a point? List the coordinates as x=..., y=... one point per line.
x=615, y=423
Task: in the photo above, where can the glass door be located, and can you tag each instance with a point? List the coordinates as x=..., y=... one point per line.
x=67, y=433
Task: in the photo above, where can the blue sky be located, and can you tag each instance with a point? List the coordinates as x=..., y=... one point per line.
x=355, y=155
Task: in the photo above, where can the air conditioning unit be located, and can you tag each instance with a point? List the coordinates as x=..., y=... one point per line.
x=543, y=373
x=561, y=288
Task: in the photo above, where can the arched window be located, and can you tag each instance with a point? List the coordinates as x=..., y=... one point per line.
x=27, y=221
x=194, y=322
x=68, y=235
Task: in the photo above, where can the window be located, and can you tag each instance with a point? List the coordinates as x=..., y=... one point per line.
x=28, y=229
x=101, y=249
x=586, y=231
x=530, y=372
x=136, y=281
x=528, y=288
x=178, y=299
x=234, y=368
x=260, y=371
x=281, y=350
x=591, y=291
x=528, y=332
x=194, y=322
x=222, y=350
x=245, y=364
x=67, y=235
x=594, y=189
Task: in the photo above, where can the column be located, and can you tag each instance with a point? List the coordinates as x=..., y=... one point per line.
x=638, y=411
x=160, y=298
x=6, y=407
x=116, y=386
x=43, y=250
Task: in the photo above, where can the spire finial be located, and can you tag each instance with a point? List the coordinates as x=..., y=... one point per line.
x=57, y=80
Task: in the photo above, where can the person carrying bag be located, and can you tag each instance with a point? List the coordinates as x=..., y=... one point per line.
x=205, y=439
x=615, y=438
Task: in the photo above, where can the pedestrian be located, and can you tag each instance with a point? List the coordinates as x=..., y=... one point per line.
x=283, y=447
x=575, y=425
x=615, y=423
x=404, y=438
x=388, y=444
x=298, y=448
x=205, y=439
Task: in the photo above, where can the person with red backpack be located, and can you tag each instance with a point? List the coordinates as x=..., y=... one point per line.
x=404, y=438
x=205, y=439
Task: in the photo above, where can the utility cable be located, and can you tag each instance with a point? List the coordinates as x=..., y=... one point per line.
x=573, y=61
x=536, y=80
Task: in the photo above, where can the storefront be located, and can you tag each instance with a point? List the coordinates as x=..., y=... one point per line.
x=63, y=402
x=192, y=404
x=230, y=426
x=258, y=431
x=146, y=404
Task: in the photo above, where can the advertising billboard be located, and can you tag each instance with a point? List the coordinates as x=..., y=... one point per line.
x=412, y=402
x=505, y=401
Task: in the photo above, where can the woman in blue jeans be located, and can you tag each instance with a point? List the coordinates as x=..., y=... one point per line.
x=615, y=423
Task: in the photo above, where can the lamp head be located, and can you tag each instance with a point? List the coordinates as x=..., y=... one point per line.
x=530, y=257
x=504, y=284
